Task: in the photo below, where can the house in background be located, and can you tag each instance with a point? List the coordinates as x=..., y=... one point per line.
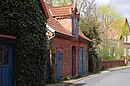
x=113, y=35
x=68, y=43
x=125, y=42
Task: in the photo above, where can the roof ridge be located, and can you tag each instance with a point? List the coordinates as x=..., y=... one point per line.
x=63, y=6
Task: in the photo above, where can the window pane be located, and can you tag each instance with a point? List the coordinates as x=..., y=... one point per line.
x=5, y=54
x=124, y=54
x=128, y=52
x=0, y=55
x=124, y=38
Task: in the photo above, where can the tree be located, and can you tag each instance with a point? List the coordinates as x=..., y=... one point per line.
x=62, y=2
x=112, y=27
x=87, y=8
x=89, y=27
x=26, y=20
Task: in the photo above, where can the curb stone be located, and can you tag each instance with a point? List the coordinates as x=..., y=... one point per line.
x=72, y=81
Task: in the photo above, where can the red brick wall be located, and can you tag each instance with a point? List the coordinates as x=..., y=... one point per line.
x=65, y=45
x=112, y=63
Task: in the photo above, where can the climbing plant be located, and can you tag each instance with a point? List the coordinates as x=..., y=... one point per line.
x=26, y=20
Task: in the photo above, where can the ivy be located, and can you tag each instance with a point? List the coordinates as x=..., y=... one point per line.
x=26, y=20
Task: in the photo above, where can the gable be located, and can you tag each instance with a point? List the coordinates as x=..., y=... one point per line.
x=60, y=13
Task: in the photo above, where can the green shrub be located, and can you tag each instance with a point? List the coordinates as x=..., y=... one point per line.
x=77, y=76
x=66, y=78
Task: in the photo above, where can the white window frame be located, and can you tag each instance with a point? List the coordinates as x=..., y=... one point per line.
x=124, y=52
x=128, y=51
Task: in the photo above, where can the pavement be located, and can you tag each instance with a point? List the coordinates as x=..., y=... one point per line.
x=72, y=81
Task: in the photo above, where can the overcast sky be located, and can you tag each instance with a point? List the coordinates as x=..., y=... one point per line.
x=123, y=6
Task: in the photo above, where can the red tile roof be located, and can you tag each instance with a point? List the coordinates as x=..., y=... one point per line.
x=61, y=11
x=58, y=27
x=83, y=36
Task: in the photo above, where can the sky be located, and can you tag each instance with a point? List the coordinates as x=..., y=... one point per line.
x=123, y=6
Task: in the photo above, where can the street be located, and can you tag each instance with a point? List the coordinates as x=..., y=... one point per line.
x=113, y=78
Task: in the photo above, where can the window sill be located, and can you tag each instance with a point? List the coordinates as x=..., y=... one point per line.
x=126, y=42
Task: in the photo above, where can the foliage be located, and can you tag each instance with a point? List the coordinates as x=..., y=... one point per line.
x=112, y=28
x=50, y=71
x=62, y=2
x=26, y=20
x=89, y=28
x=87, y=8
x=128, y=57
x=66, y=78
x=77, y=76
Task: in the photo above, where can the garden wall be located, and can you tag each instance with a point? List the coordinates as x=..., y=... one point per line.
x=112, y=63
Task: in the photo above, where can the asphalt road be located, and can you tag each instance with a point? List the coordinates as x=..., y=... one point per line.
x=113, y=78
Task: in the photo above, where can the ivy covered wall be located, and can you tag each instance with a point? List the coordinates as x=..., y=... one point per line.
x=26, y=20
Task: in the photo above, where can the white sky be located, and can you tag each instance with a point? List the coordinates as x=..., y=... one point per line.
x=123, y=6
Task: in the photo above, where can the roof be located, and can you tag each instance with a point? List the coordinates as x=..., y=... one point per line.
x=83, y=36
x=61, y=11
x=57, y=26
x=44, y=7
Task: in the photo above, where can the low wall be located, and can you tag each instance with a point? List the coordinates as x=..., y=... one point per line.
x=112, y=63
x=129, y=63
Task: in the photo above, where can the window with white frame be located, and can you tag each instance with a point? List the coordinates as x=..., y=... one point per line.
x=126, y=38
x=128, y=51
x=124, y=52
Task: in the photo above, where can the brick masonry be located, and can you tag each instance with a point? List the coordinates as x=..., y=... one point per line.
x=112, y=63
x=65, y=45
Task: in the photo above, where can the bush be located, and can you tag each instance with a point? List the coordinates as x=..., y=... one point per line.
x=66, y=78
x=77, y=76
x=109, y=58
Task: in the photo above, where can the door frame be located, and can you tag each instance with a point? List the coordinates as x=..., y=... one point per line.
x=73, y=60
x=82, y=61
x=59, y=56
x=10, y=63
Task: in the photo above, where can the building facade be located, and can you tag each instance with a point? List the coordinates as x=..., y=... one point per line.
x=69, y=45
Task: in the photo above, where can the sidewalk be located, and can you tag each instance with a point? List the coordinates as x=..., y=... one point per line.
x=72, y=81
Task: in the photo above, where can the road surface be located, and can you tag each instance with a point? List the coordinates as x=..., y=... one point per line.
x=113, y=78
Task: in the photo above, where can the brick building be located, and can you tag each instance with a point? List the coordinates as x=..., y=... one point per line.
x=69, y=45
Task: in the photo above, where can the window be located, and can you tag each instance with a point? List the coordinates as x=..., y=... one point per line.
x=129, y=52
x=75, y=27
x=0, y=54
x=126, y=39
x=124, y=53
x=4, y=55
